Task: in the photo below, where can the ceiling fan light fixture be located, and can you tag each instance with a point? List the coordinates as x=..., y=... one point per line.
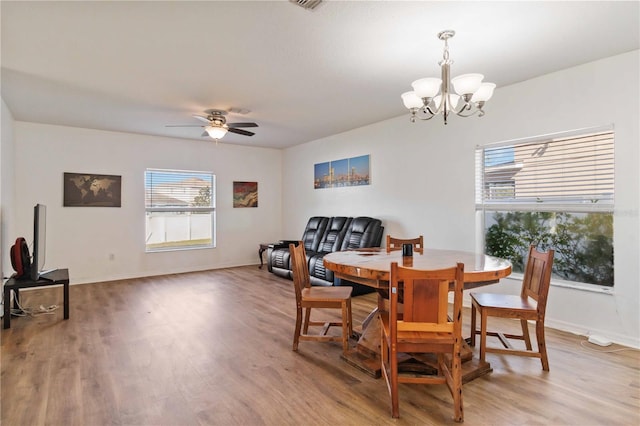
x=216, y=132
x=215, y=124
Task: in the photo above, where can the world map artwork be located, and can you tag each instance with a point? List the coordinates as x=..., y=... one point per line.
x=89, y=190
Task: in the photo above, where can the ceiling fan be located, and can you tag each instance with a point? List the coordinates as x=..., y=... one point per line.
x=216, y=125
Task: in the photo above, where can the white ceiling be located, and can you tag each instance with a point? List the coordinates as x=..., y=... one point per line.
x=138, y=66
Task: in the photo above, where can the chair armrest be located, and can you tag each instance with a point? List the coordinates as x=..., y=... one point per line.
x=283, y=244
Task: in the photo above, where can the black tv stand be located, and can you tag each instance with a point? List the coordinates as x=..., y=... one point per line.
x=55, y=277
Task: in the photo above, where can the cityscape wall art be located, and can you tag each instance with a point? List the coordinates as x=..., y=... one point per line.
x=352, y=171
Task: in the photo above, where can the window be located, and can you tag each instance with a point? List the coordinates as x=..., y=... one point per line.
x=556, y=192
x=180, y=209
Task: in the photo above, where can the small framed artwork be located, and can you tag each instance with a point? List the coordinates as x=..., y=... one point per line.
x=245, y=194
x=90, y=190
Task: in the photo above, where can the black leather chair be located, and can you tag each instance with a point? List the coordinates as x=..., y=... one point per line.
x=278, y=258
x=331, y=241
x=324, y=235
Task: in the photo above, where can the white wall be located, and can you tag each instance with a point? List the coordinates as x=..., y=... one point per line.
x=83, y=238
x=422, y=178
x=6, y=189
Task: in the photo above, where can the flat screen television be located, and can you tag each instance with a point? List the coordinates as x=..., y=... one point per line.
x=39, y=241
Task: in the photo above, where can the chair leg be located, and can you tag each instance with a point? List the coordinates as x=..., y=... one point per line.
x=473, y=324
x=395, y=403
x=542, y=346
x=345, y=327
x=387, y=373
x=307, y=316
x=456, y=388
x=350, y=316
x=525, y=333
x=384, y=354
x=296, y=333
x=483, y=334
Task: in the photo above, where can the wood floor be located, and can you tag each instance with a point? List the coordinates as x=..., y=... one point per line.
x=215, y=348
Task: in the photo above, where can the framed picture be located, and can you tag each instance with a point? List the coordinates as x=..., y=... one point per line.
x=245, y=194
x=352, y=171
x=89, y=190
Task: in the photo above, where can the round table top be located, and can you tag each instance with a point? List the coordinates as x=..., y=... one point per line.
x=375, y=263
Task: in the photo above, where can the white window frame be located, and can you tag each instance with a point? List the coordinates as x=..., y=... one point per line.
x=581, y=203
x=188, y=209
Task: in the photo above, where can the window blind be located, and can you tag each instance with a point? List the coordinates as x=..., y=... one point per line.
x=575, y=170
x=179, y=190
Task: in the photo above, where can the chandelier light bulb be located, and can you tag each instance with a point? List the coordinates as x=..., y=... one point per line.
x=484, y=93
x=467, y=84
x=427, y=87
x=411, y=100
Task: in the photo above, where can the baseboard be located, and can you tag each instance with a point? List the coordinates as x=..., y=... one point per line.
x=577, y=329
x=582, y=331
x=118, y=277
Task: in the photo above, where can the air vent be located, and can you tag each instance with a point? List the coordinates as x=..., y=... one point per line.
x=307, y=4
x=242, y=111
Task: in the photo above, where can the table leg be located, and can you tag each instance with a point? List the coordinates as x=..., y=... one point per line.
x=66, y=300
x=7, y=307
x=366, y=354
x=261, y=250
x=16, y=299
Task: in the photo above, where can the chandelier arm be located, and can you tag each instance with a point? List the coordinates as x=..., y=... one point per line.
x=474, y=111
x=426, y=118
x=427, y=112
x=428, y=109
x=453, y=110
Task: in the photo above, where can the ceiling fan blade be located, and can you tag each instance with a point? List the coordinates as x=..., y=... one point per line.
x=236, y=125
x=184, y=125
x=240, y=132
x=201, y=118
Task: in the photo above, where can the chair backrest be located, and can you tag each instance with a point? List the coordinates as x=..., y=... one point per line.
x=537, y=277
x=299, y=269
x=396, y=243
x=314, y=231
x=362, y=232
x=426, y=300
x=334, y=234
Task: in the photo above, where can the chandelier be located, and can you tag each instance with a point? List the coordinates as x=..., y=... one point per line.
x=433, y=96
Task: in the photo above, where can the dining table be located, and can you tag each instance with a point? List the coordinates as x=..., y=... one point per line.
x=372, y=266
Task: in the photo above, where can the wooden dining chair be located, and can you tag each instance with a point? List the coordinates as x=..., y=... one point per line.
x=308, y=297
x=424, y=328
x=396, y=243
x=530, y=305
